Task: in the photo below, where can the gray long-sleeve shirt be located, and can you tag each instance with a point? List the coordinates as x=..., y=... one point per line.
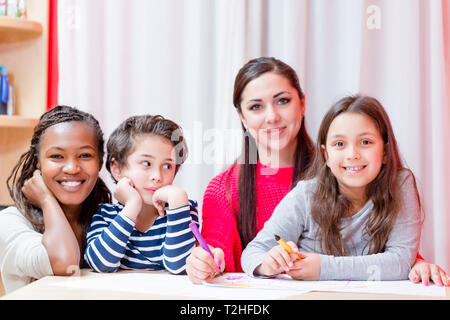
x=292, y=221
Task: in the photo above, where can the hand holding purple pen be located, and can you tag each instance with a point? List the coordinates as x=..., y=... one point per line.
x=203, y=243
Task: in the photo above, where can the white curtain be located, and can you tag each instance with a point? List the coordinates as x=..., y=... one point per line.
x=179, y=58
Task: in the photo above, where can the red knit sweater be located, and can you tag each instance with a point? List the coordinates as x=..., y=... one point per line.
x=219, y=225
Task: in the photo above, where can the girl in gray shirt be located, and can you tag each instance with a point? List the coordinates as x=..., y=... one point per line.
x=357, y=218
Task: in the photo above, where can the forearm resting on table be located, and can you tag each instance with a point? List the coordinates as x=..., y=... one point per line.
x=59, y=240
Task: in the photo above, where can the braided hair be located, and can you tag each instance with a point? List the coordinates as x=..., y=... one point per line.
x=28, y=161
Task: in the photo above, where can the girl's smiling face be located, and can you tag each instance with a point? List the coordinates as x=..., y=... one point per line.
x=69, y=161
x=354, y=152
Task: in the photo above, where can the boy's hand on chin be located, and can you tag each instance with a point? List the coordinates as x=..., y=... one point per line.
x=126, y=193
x=174, y=196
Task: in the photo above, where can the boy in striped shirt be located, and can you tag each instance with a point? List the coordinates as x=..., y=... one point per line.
x=149, y=227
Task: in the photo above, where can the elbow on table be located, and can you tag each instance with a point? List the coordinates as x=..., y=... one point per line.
x=64, y=258
x=64, y=266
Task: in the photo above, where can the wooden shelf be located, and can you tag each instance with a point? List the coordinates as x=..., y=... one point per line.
x=17, y=122
x=16, y=30
x=24, y=49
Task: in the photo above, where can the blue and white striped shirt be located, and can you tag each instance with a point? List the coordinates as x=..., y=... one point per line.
x=113, y=242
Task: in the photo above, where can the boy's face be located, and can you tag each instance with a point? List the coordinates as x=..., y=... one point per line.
x=150, y=166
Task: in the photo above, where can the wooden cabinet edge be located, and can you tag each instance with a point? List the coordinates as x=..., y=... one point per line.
x=16, y=30
x=17, y=122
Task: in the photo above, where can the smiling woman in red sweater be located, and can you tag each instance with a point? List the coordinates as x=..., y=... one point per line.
x=276, y=152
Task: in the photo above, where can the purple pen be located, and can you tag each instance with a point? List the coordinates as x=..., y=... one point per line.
x=202, y=242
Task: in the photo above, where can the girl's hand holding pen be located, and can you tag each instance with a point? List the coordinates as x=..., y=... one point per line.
x=286, y=257
x=278, y=260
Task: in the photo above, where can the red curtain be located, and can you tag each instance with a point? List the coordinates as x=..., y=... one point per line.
x=52, y=86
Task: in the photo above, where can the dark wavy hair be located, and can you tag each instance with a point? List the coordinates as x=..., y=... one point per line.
x=247, y=167
x=28, y=161
x=328, y=205
x=122, y=140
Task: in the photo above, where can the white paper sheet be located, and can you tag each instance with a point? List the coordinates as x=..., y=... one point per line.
x=284, y=282
x=238, y=286
x=404, y=287
x=167, y=284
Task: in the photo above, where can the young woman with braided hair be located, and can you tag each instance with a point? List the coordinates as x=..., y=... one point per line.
x=56, y=189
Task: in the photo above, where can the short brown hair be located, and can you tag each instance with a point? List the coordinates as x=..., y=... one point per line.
x=122, y=140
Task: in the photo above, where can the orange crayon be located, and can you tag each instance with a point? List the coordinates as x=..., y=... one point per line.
x=285, y=245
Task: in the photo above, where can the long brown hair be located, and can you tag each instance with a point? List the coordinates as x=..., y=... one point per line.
x=28, y=161
x=329, y=205
x=247, y=166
